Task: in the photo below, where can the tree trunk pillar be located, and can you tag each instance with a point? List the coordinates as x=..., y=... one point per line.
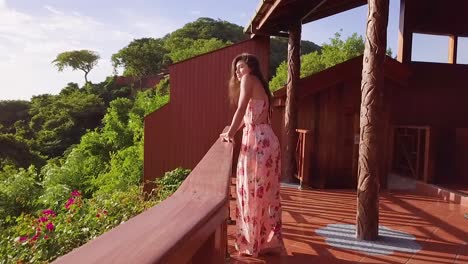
x=371, y=136
x=290, y=112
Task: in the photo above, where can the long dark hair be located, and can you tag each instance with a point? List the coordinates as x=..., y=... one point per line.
x=234, y=84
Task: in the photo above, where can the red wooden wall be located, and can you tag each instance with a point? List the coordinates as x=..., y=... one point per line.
x=180, y=133
x=436, y=96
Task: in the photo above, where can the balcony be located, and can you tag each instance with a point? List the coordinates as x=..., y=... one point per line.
x=190, y=226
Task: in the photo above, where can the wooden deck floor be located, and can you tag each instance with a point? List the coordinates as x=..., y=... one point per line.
x=425, y=229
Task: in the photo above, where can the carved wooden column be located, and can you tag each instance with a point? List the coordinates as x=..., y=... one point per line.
x=290, y=112
x=371, y=139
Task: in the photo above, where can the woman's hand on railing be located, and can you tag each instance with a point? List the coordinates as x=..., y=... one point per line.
x=225, y=137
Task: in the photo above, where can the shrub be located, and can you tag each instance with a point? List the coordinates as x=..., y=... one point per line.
x=169, y=183
x=49, y=234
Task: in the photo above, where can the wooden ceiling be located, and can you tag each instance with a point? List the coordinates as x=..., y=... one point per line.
x=273, y=17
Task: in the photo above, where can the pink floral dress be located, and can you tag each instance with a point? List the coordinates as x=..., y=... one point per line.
x=258, y=212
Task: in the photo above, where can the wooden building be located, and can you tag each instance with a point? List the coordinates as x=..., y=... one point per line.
x=328, y=112
x=419, y=128
x=426, y=118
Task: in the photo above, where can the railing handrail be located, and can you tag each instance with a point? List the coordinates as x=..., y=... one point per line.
x=174, y=230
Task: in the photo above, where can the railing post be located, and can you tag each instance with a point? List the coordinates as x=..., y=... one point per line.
x=213, y=250
x=304, y=155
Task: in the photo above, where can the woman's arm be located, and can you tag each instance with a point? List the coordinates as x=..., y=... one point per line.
x=244, y=97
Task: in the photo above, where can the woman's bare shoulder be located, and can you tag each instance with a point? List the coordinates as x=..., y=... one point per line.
x=249, y=79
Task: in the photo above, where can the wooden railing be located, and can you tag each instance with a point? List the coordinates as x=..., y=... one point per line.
x=188, y=227
x=304, y=149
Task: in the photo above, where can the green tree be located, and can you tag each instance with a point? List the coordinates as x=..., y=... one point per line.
x=332, y=53
x=279, y=51
x=11, y=112
x=141, y=57
x=16, y=151
x=208, y=28
x=185, y=48
x=19, y=190
x=58, y=121
x=83, y=60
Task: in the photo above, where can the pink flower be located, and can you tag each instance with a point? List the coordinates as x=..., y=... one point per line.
x=75, y=193
x=69, y=202
x=269, y=163
x=49, y=212
x=22, y=239
x=43, y=219
x=50, y=226
x=260, y=192
x=104, y=212
x=35, y=237
x=98, y=215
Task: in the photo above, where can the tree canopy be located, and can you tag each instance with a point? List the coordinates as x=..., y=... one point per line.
x=208, y=28
x=185, y=48
x=141, y=57
x=150, y=56
x=337, y=51
x=83, y=60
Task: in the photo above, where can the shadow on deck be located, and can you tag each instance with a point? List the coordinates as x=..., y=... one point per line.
x=437, y=229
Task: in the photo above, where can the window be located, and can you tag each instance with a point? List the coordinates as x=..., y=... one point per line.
x=462, y=51
x=430, y=48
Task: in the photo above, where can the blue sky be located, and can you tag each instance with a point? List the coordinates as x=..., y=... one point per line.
x=32, y=33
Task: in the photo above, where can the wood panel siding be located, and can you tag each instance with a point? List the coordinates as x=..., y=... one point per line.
x=436, y=96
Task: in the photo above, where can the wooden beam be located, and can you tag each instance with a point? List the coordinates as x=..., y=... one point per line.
x=268, y=33
x=290, y=112
x=331, y=9
x=268, y=14
x=405, y=36
x=313, y=10
x=371, y=125
x=453, y=47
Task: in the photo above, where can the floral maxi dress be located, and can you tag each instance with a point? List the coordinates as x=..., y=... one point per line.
x=258, y=212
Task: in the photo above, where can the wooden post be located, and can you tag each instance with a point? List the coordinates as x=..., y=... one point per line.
x=372, y=104
x=453, y=46
x=405, y=36
x=290, y=113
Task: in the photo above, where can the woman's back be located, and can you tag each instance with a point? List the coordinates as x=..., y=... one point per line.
x=259, y=104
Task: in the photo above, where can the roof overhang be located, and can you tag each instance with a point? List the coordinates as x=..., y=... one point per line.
x=274, y=17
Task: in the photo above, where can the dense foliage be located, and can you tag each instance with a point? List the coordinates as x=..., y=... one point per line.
x=71, y=164
x=330, y=54
x=337, y=51
x=96, y=185
x=151, y=55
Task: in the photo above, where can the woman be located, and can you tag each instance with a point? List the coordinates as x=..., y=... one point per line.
x=258, y=213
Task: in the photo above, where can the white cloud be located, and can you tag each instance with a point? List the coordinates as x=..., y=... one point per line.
x=29, y=43
x=53, y=10
x=142, y=26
